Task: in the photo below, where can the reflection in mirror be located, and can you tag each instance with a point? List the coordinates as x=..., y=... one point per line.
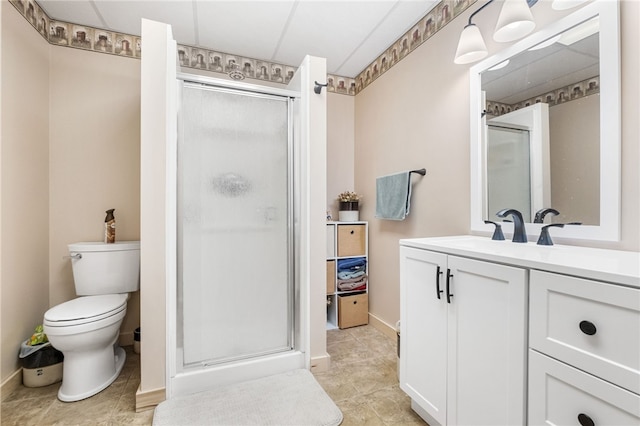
x=562, y=74
x=508, y=173
x=518, y=161
x=561, y=83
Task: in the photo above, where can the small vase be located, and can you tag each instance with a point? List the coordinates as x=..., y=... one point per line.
x=348, y=211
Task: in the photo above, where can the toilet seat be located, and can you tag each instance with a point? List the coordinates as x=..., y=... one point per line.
x=85, y=310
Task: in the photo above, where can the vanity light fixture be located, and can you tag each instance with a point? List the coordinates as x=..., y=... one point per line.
x=471, y=46
x=514, y=22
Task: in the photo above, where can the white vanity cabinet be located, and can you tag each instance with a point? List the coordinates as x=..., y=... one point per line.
x=463, y=334
x=532, y=334
x=584, y=363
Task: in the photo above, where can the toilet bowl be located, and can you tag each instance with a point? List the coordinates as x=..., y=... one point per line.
x=85, y=331
x=86, y=328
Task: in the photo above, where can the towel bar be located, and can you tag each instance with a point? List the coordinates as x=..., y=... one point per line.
x=420, y=171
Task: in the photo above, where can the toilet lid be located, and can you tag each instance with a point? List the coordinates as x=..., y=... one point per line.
x=86, y=309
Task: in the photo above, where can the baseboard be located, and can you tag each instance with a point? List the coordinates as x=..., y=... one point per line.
x=11, y=383
x=320, y=363
x=125, y=338
x=423, y=413
x=148, y=400
x=383, y=327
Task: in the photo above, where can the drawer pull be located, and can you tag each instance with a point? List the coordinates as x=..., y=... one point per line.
x=352, y=232
x=585, y=420
x=588, y=328
x=438, y=273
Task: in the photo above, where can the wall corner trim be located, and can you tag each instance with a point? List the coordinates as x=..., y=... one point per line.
x=149, y=399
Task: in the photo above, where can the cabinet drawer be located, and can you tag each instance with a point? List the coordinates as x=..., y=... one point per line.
x=331, y=276
x=353, y=310
x=591, y=325
x=351, y=240
x=558, y=394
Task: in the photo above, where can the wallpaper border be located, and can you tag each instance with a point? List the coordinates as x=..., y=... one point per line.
x=84, y=37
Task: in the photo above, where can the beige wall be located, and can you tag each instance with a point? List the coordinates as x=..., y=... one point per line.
x=417, y=115
x=630, y=61
x=340, y=148
x=94, y=138
x=24, y=194
x=70, y=150
x=575, y=161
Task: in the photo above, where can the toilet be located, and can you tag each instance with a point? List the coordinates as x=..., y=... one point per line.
x=86, y=328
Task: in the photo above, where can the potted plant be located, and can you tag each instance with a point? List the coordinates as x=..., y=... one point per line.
x=349, y=206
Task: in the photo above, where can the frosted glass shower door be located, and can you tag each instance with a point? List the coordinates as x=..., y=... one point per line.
x=235, y=263
x=508, y=171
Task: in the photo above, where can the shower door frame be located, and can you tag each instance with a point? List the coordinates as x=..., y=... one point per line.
x=208, y=376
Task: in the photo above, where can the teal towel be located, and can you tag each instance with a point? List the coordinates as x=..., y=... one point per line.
x=393, y=196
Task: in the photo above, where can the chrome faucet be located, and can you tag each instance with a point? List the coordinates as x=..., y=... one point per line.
x=519, y=233
x=540, y=214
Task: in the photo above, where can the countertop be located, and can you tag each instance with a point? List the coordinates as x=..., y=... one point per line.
x=615, y=266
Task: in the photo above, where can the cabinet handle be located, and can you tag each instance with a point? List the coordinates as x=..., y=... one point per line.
x=352, y=232
x=438, y=273
x=449, y=276
x=588, y=328
x=585, y=420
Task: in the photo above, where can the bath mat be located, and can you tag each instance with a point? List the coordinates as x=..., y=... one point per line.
x=291, y=398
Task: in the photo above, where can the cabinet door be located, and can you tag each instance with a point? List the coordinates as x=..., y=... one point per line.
x=486, y=343
x=423, y=331
x=563, y=395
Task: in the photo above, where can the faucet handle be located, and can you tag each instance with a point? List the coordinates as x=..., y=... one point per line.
x=540, y=214
x=497, y=233
x=545, y=238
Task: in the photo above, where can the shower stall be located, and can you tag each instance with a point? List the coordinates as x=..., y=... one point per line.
x=237, y=293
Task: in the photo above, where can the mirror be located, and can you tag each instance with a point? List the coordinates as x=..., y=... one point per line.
x=545, y=127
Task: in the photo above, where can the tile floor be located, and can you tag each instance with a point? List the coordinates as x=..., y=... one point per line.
x=362, y=381
x=113, y=406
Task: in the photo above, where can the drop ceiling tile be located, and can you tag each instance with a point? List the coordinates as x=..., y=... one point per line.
x=244, y=28
x=72, y=11
x=401, y=19
x=125, y=16
x=330, y=29
x=349, y=33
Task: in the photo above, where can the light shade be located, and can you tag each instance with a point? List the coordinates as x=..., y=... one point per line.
x=515, y=21
x=471, y=46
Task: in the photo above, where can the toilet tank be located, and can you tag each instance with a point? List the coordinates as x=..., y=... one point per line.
x=100, y=268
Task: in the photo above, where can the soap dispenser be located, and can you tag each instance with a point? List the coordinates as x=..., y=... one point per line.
x=110, y=227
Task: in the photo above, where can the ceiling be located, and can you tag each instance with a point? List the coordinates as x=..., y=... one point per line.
x=350, y=34
x=537, y=72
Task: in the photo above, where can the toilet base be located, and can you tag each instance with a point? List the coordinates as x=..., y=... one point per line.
x=75, y=392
